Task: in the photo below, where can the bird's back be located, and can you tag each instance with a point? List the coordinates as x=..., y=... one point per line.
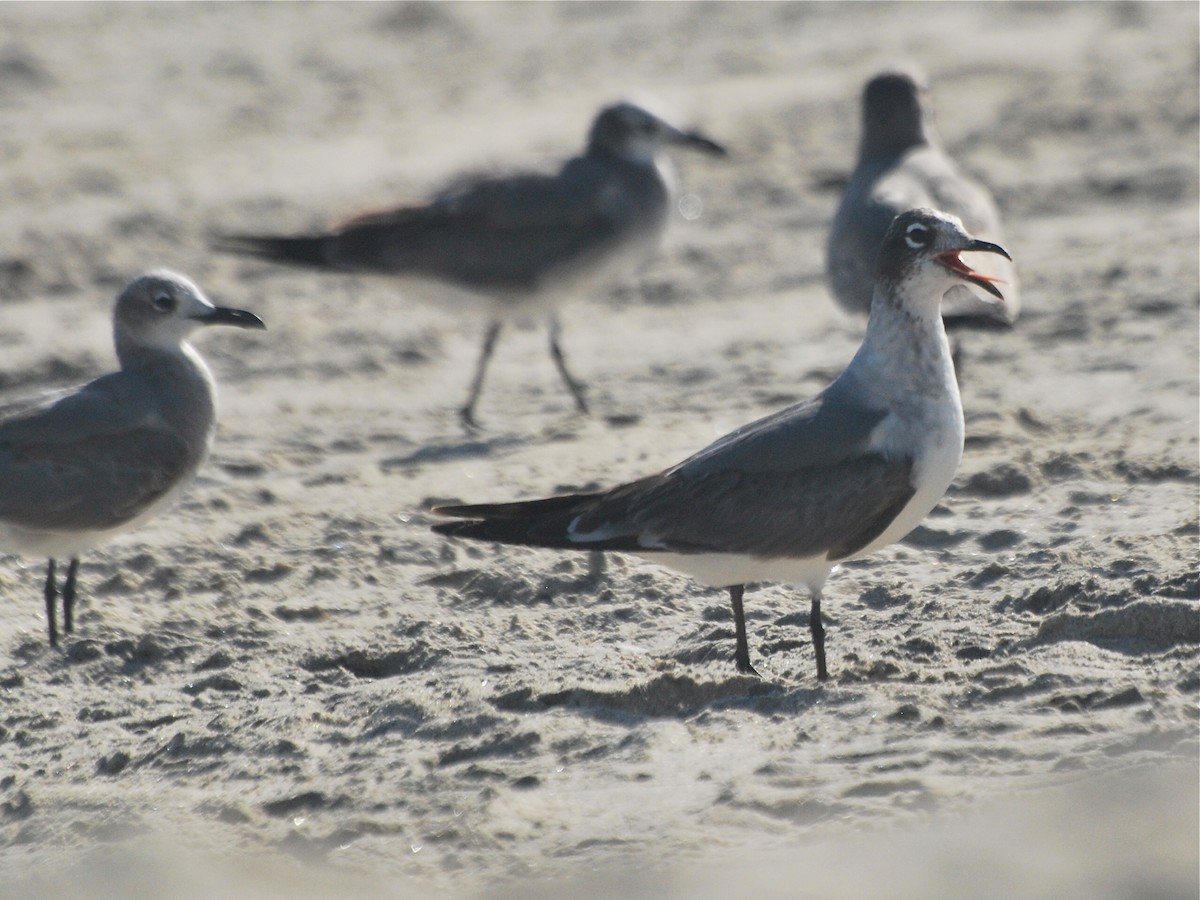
x=513, y=238
x=882, y=188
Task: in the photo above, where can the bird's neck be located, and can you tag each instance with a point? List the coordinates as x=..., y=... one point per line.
x=894, y=141
x=905, y=356
x=648, y=175
x=181, y=382
x=634, y=153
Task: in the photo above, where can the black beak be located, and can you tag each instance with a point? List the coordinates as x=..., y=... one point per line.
x=223, y=315
x=950, y=259
x=704, y=144
x=986, y=285
x=985, y=247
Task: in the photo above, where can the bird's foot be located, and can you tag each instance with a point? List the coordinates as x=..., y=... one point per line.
x=744, y=666
x=466, y=415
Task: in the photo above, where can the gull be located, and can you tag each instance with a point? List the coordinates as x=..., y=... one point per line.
x=788, y=497
x=517, y=244
x=80, y=466
x=901, y=166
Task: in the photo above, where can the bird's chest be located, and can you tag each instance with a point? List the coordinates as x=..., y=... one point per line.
x=926, y=417
x=925, y=424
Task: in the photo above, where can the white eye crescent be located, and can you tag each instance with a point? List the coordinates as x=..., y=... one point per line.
x=164, y=303
x=916, y=236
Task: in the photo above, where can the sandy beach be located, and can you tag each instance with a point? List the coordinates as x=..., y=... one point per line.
x=287, y=686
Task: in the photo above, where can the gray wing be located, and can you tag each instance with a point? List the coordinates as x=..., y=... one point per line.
x=110, y=404
x=797, y=484
x=90, y=484
x=832, y=511
x=88, y=459
x=829, y=428
x=933, y=180
x=500, y=232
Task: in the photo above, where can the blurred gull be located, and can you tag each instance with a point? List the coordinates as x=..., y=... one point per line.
x=901, y=166
x=78, y=467
x=521, y=243
x=790, y=496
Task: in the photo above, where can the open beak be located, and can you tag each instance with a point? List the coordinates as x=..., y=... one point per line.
x=223, y=315
x=951, y=261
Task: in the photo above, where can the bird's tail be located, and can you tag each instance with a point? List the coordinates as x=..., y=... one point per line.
x=532, y=523
x=303, y=251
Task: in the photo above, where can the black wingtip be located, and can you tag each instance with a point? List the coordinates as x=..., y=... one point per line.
x=242, y=244
x=535, y=533
x=450, y=529
x=301, y=250
x=530, y=523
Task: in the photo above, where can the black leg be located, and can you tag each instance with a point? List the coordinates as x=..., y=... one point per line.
x=68, y=596
x=467, y=413
x=742, y=654
x=573, y=386
x=818, y=637
x=51, y=596
x=597, y=567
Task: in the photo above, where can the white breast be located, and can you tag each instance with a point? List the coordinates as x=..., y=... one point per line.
x=934, y=426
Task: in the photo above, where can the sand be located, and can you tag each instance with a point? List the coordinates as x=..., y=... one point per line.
x=286, y=686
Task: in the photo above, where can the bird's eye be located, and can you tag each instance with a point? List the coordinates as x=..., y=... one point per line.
x=164, y=303
x=917, y=236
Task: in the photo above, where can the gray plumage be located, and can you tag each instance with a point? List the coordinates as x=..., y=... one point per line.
x=788, y=497
x=902, y=165
x=518, y=243
x=743, y=493
x=80, y=466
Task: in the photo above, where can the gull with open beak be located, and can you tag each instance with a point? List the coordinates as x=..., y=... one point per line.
x=790, y=496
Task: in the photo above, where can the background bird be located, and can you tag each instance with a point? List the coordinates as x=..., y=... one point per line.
x=901, y=166
x=80, y=466
x=522, y=243
x=790, y=496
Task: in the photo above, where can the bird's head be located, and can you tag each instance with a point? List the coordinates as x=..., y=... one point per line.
x=919, y=260
x=161, y=308
x=893, y=114
x=631, y=131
